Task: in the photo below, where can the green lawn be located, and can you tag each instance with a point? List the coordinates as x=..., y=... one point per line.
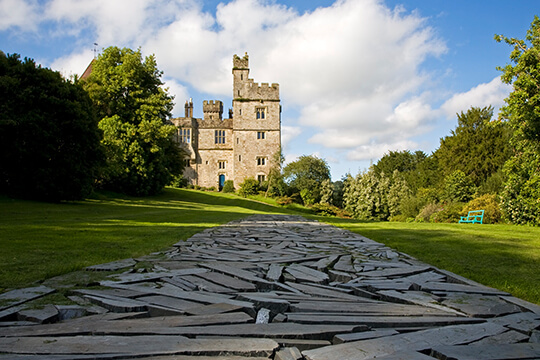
x=506, y=257
x=42, y=240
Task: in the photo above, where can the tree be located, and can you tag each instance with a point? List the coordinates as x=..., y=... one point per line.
x=521, y=194
x=458, y=187
x=49, y=139
x=307, y=173
x=327, y=192
x=477, y=146
x=141, y=155
x=366, y=195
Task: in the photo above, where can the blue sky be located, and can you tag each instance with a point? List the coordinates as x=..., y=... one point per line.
x=358, y=78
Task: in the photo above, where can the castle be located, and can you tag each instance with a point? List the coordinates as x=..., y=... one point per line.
x=244, y=145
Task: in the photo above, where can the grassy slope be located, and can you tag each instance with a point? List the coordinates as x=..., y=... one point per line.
x=41, y=240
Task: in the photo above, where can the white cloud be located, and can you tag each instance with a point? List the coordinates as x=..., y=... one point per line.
x=73, y=64
x=288, y=133
x=375, y=151
x=18, y=13
x=353, y=68
x=180, y=93
x=486, y=94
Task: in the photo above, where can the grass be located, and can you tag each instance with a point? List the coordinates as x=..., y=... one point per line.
x=41, y=240
x=506, y=257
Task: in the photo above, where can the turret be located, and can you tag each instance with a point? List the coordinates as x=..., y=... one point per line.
x=189, y=108
x=213, y=110
x=240, y=75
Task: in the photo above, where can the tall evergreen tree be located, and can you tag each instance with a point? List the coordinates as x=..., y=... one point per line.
x=477, y=147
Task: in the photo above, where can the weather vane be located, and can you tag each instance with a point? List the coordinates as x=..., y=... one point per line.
x=95, y=50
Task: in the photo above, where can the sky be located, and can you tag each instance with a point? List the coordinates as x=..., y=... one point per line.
x=358, y=78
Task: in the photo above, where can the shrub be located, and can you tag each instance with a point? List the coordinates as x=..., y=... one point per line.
x=249, y=186
x=307, y=196
x=228, y=186
x=428, y=211
x=490, y=204
x=329, y=210
x=284, y=200
x=211, y=188
x=179, y=181
x=450, y=213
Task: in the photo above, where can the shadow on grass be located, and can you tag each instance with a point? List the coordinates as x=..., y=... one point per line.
x=40, y=240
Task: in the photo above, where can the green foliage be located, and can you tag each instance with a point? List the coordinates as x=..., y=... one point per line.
x=523, y=104
x=458, y=187
x=327, y=192
x=249, y=186
x=477, y=147
x=417, y=169
x=398, y=191
x=337, y=193
x=329, y=210
x=520, y=197
x=451, y=212
x=308, y=198
x=490, y=204
x=366, y=196
x=141, y=156
x=428, y=212
x=179, y=181
x=308, y=172
x=284, y=200
x=228, y=186
x=49, y=139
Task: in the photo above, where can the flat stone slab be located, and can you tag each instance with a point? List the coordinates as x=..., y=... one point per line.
x=275, y=287
x=20, y=296
x=140, y=345
x=488, y=352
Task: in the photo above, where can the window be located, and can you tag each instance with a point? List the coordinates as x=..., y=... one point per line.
x=261, y=161
x=221, y=164
x=261, y=178
x=187, y=162
x=185, y=135
x=260, y=113
x=261, y=135
x=220, y=136
x=239, y=157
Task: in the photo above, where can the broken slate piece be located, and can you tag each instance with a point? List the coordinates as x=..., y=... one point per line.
x=263, y=316
x=288, y=354
x=47, y=315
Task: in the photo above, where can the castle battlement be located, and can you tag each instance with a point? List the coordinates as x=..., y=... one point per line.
x=240, y=63
x=212, y=109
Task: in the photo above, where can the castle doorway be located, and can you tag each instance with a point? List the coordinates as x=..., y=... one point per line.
x=221, y=181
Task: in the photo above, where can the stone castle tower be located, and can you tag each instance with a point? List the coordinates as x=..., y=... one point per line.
x=243, y=145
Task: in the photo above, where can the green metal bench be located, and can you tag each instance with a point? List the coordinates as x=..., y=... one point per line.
x=474, y=217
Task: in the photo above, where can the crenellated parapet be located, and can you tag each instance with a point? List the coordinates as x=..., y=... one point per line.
x=212, y=109
x=255, y=91
x=241, y=63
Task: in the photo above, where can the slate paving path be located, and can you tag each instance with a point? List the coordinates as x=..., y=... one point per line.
x=273, y=287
